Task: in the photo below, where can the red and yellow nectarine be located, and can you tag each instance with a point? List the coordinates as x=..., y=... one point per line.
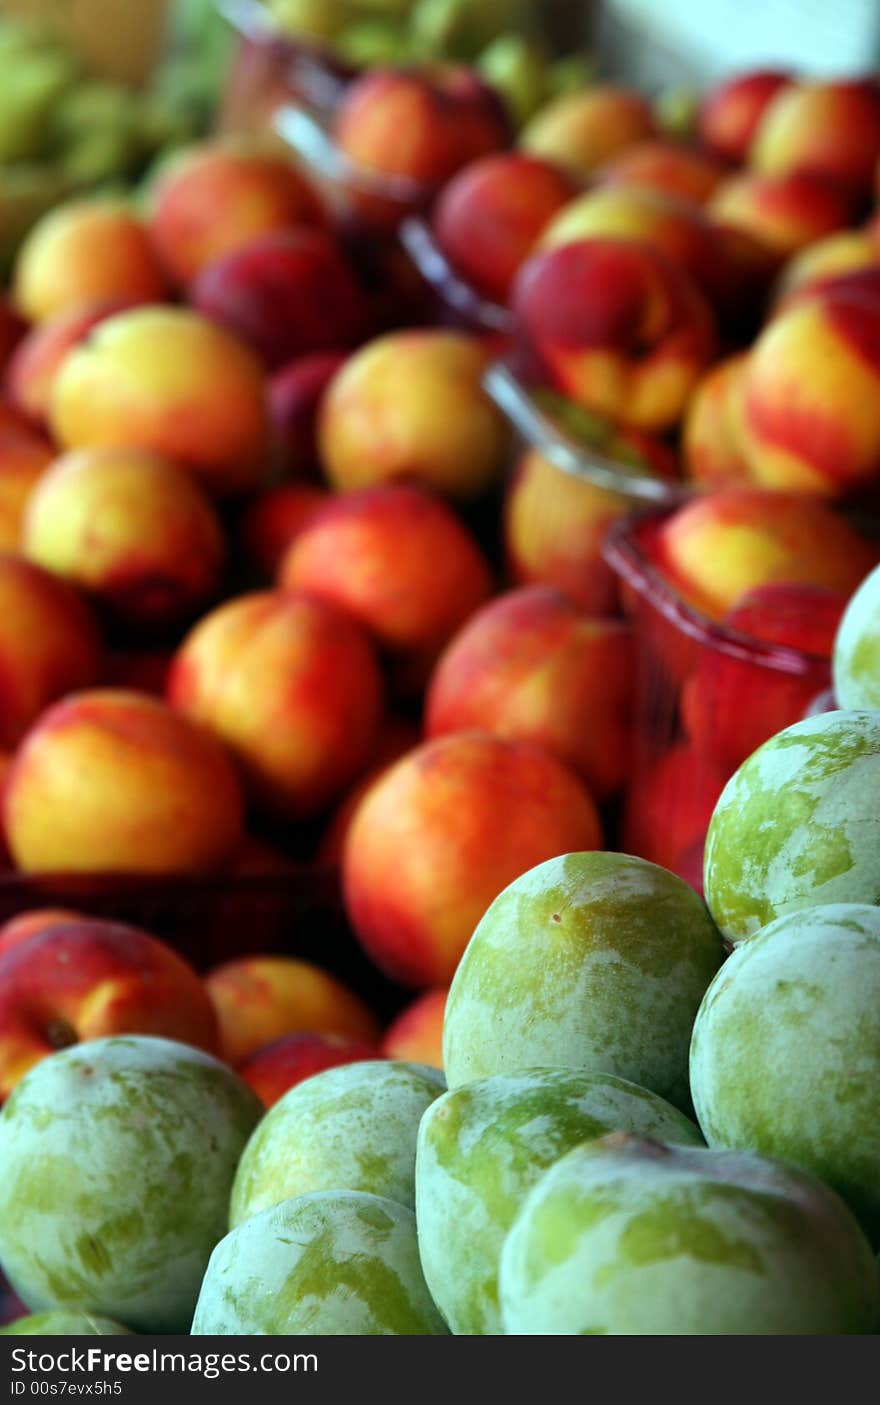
x=259, y=999
x=171, y=382
x=129, y=529
x=291, y=685
x=439, y=836
x=532, y=667
x=112, y=781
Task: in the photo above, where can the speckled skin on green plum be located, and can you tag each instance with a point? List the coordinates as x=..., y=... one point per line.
x=631, y=1238
x=857, y=649
x=116, y=1163
x=348, y=1128
x=785, y=1057
x=481, y=1147
x=798, y=824
x=593, y=961
x=63, y=1324
x=332, y=1263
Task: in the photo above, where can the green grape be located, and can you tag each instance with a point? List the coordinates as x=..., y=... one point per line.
x=372, y=43
x=99, y=155
x=517, y=68
x=166, y=123
x=29, y=90
x=570, y=75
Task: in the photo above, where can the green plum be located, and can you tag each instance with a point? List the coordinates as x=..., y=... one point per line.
x=594, y=961
x=116, y=1162
x=798, y=824
x=517, y=68
x=633, y=1238
x=333, y=1263
x=483, y=1146
x=348, y=1128
x=785, y=1057
x=857, y=649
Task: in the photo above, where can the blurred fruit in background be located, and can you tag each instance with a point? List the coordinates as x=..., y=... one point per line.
x=92, y=94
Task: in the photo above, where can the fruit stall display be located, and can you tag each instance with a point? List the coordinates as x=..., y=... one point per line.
x=440, y=757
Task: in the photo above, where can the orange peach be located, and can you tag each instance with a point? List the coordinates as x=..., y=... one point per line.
x=617, y=327
x=785, y=213
x=38, y=358
x=673, y=226
x=292, y=686
x=33, y=924
x=583, y=130
x=669, y=167
x=397, y=559
x=397, y=736
x=81, y=979
x=442, y=833
x=411, y=405
x=130, y=530
x=259, y=999
x=531, y=666
x=81, y=253
x=295, y=394
x=23, y=459
x=273, y=1071
x=848, y=251
x=417, y=1033
x=213, y=199
x=49, y=644
x=555, y=523
x=110, y=781
x=168, y=381
x=418, y=129
x=729, y=115
x=811, y=394
x=719, y=547
x=273, y=521
x=830, y=130
x=488, y=218
x=712, y=434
